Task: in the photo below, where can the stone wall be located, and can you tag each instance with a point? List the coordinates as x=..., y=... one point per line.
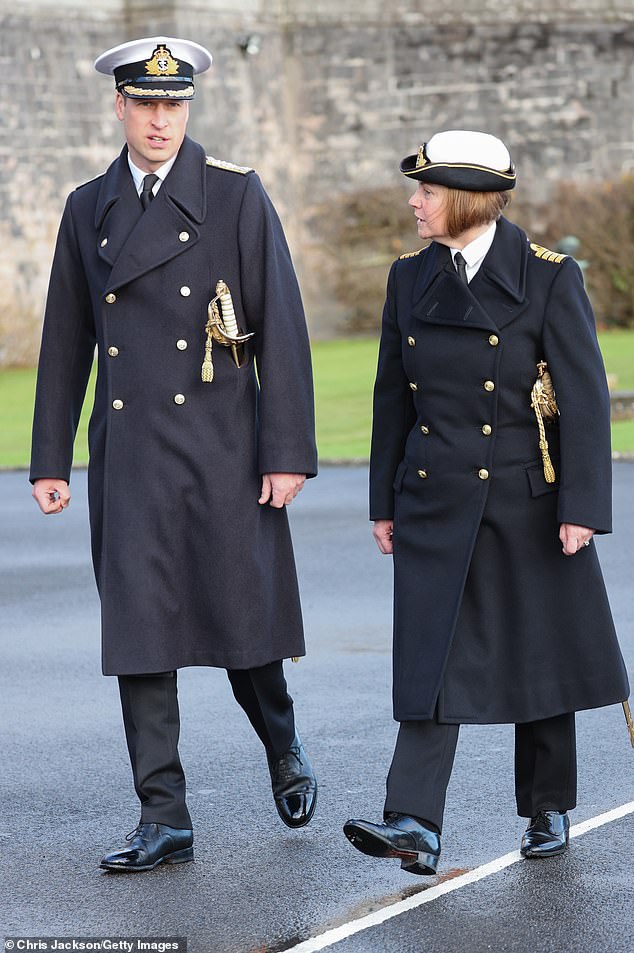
x=334, y=97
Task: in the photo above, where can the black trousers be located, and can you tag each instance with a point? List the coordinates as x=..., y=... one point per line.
x=545, y=767
x=152, y=727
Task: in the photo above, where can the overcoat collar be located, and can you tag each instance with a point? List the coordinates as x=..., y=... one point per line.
x=496, y=295
x=139, y=241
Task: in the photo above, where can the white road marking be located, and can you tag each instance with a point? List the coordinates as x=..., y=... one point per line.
x=330, y=937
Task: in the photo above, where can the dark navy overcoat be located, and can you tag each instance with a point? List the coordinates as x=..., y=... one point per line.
x=191, y=569
x=492, y=623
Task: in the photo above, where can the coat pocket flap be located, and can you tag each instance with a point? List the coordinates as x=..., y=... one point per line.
x=537, y=480
x=398, y=478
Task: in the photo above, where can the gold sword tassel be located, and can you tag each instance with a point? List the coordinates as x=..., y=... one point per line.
x=207, y=370
x=544, y=404
x=549, y=470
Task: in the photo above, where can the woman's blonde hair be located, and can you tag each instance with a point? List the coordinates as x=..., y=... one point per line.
x=467, y=210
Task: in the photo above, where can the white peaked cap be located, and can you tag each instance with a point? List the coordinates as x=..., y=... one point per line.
x=461, y=145
x=137, y=50
x=462, y=159
x=155, y=67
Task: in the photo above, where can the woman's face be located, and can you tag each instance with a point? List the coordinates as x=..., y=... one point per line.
x=428, y=202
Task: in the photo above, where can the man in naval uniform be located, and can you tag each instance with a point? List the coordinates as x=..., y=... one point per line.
x=175, y=266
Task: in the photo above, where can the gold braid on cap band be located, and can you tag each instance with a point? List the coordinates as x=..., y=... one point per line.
x=147, y=93
x=457, y=165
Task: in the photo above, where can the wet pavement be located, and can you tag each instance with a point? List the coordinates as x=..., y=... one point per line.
x=255, y=886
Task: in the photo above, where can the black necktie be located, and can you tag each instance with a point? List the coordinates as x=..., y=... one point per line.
x=147, y=194
x=461, y=267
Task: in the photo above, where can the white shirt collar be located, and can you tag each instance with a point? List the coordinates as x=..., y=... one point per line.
x=138, y=174
x=474, y=253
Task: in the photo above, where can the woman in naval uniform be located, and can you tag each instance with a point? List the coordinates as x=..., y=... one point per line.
x=500, y=611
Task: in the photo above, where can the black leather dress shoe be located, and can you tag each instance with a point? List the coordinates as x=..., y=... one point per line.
x=150, y=845
x=399, y=835
x=294, y=785
x=546, y=835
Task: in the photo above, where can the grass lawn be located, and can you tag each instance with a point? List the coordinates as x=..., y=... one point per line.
x=344, y=375
x=618, y=355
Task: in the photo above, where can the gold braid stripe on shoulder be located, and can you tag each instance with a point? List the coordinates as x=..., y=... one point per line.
x=410, y=254
x=227, y=166
x=540, y=252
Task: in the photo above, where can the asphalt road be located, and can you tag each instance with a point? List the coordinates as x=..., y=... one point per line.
x=255, y=886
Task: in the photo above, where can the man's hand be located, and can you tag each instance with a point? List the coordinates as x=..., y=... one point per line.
x=281, y=488
x=573, y=537
x=382, y=532
x=52, y=496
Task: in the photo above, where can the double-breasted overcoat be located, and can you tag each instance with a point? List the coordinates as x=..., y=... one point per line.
x=492, y=623
x=191, y=570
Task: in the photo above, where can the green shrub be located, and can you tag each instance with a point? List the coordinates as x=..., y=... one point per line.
x=601, y=216
x=367, y=230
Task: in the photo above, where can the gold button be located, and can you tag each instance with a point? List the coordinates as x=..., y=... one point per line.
x=179, y=398
x=113, y=351
x=181, y=345
x=104, y=242
x=489, y=385
x=487, y=430
x=424, y=429
x=185, y=291
x=422, y=474
x=117, y=404
x=110, y=298
x=413, y=385
x=411, y=341
x=183, y=237
x=483, y=474
x=494, y=340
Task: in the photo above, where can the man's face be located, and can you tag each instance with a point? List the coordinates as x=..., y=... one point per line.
x=154, y=129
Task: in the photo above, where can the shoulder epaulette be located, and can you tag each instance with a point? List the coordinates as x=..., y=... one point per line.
x=410, y=254
x=540, y=252
x=84, y=184
x=227, y=166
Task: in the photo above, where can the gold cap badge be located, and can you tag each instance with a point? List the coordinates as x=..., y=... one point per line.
x=421, y=158
x=162, y=63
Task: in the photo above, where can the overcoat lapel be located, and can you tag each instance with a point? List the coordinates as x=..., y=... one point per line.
x=434, y=259
x=139, y=241
x=496, y=295
x=450, y=302
x=501, y=287
x=117, y=211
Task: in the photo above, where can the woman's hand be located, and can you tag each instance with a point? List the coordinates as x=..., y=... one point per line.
x=573, y=537
x=382, y=532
